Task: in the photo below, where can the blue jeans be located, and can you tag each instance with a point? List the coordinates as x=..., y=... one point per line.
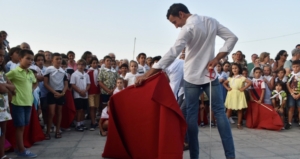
x=192, y=93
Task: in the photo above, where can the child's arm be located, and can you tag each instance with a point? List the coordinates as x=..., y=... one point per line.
x=66, y=85
x=225, y=84
x=273, y=103
x=270, y=83
x=289, y=88
x=202, y=106
x=262, y=96
x=48, y=87
x=40, y=78
x=105, y=88
x=125, y=83
x=249, y=83
x=3, y=88
x=100, y=127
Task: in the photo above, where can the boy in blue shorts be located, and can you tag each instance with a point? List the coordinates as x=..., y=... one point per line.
x=23, y=79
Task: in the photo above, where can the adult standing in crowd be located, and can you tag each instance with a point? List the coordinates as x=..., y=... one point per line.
x=288, y=63
x=240, y=59
x=264, y=59
x=250, y=65
x=280, y=60
x=198, y=35
x=87, y=56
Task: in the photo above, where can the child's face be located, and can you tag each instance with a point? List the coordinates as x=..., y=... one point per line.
x=133, y=67
x=113, y=64
x=149, y=61
x=296, y=68
x=94, y=64
x=64, y=67
x=245, y=73
x=226, y=67
x=142, y=59
x=71, y=57
x=267, y=71
x=88, y=58
x=256, y=61
x=39, y=61
x=80, y=66
x=48, y=56
x=26, y=61
x=219, y=68
x=56, y=61
x=280, y=74
x=65, y=59
x=235, y=70
x=278, y=88
x=257, y=74
x=124, y=70
x=120, y=84
x=1, y=56
x=107, y=63
x=15, y=57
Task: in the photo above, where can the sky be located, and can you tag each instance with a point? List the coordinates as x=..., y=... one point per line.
x=111, y=26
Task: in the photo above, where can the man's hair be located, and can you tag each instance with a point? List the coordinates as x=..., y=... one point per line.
x=295, y=52
x=70, y=52
x=25, y=52
x=13, y=50
x=81, y=61
x=3, y=32
x=297, y=45
x=141, y=54
x=124, y=65
x=176, y=8
x=85, y=54
x=296, y=62
x=55, y=54
x=106, y=57
x=39, y=55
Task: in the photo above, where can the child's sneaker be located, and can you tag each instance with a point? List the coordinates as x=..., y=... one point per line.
x=27, y=154
x=202, y=124
x=231, y=120
x=92, y=127
x=83, y=127
x=288, y=126
x=282, y=128
x=79, y=128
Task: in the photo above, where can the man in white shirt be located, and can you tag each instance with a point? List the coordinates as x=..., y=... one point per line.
x=198, y=36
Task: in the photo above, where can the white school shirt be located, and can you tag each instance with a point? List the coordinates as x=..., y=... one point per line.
x=81, y=80
x=131, y=78
x=117, y=90
x=198, y=37
x=56, y=77
x=143, y=69
x=175, y=73
x=104, y=114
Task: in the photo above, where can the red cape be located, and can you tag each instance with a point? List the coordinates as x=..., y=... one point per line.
x=32, y=133
x=145, y=122
x=68, y=111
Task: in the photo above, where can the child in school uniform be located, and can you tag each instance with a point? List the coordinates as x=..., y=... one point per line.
x=120, y=85
x=24, y=80
x=107, y=80
x=80, y=82
x=279, y=98
x=14, y=58
x=269, y=81
x=226, y=68
x=56, y=82
x=235, y=99
x=131, y=76
x=123, y=70
x=94, y=92
x=222, y=76
x=6, y=87
x=142, y=66
x=103, y=122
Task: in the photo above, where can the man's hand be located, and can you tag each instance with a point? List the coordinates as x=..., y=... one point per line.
x=139, y=80
x=211, y=64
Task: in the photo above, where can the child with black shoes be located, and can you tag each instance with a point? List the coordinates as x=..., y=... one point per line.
x=80, y=82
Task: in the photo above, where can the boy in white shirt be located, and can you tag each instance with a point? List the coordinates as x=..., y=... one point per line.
x=14, y=59
x=80, y=82
x=143, y=67
x=120, y=85
x=131, y=76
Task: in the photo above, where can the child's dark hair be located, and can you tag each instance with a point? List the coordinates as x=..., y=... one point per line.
x=25, y=52
x=124, y=65
x=238, y=66
x=63, y=62
x=296, y=62
x=156, y=59
x=85, y=54
x=2, y=66
x=94, y=59
x=39, y=55
x=106, y=57
x=245, y=69
x=280, y=83
x=281, y=69
x=82, y=61
x=55, y=54
x=257, y=68
x=64, y=56
x=119, y=78
x=221, y=66
x=141, y=54
x=70, y=52
x=13, y=50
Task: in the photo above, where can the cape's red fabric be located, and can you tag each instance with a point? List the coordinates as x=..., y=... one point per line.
x=145, y=122
x=262, y=116
x=32, y=133
x=68, y=111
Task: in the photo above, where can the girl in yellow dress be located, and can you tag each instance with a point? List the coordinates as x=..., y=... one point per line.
x=235, y=99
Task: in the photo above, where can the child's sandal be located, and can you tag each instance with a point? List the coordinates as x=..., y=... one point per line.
x=239, y=126
x=47, y=137
x=57, y=135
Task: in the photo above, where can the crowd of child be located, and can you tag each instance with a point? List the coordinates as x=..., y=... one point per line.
x=41, y=82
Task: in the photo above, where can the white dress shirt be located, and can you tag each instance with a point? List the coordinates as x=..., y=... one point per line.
x=198, y=35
